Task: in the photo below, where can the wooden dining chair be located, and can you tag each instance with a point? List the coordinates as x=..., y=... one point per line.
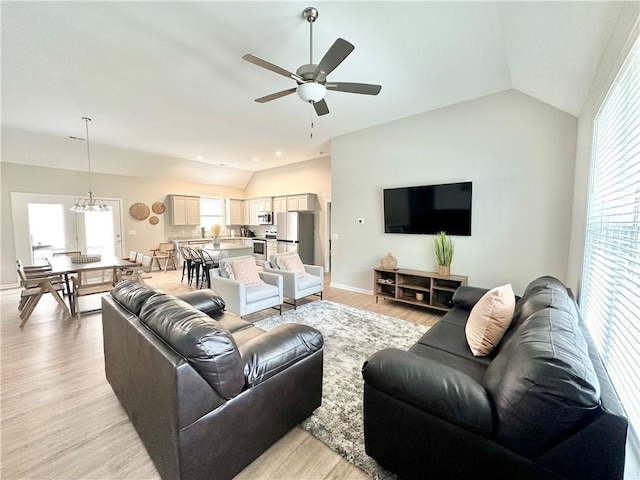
x=165, y=252
x=34, y=285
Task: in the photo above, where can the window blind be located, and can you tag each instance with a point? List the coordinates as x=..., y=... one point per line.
x=610, y=291
x=211, y=212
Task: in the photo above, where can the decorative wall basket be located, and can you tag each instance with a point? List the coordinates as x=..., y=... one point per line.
x=139, y=211
x=389, y=262
x=153, y=220
x=444, y=270
x=158, y=208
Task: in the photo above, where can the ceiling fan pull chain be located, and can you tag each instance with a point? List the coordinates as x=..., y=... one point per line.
x=311, y=121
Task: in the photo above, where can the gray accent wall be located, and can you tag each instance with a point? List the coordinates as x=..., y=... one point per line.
x=518, y=152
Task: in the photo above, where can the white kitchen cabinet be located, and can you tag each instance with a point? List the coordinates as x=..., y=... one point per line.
x=264, y=204
x=306, y=201
x=235, y=212
x=185, y=210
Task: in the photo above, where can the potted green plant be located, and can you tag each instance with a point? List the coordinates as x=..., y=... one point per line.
x=444, y=252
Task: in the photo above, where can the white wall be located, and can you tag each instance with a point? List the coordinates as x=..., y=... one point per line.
x=312, y=176
x=625, y=34
x=518, y=152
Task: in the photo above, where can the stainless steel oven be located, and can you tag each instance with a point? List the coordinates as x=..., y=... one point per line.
x=260, y=249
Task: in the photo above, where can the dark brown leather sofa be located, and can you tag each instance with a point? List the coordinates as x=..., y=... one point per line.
x=541, y=406
x=207, y=394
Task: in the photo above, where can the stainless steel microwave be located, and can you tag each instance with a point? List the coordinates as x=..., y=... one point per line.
x=265, y=218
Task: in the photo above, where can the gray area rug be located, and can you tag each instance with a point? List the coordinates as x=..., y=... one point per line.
x=350, y=336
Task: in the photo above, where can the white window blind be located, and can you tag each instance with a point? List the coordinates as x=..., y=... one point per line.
x=211, y=213
x=610, y=293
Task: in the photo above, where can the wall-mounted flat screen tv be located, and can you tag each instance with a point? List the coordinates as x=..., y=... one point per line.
x=429, y=209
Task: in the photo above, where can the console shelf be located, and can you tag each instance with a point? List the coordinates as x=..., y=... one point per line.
x=402, y=285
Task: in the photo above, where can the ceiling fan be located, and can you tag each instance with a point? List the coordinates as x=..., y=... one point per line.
x=311, y=78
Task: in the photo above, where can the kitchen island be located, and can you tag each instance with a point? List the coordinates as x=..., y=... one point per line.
x=231, y=248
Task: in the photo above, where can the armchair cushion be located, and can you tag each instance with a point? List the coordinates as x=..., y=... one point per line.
x=261, y=291
x=306, y=280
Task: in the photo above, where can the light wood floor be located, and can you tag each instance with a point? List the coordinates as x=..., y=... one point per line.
x=61, y=420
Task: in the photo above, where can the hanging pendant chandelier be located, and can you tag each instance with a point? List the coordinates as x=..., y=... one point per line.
x=90, y=204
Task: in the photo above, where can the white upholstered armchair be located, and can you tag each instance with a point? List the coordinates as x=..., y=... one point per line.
x=299, y=280
x=243, y=288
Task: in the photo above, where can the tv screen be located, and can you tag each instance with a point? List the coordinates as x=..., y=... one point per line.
x=428, y=209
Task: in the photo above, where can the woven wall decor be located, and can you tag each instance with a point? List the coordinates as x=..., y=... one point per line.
x=139, y=211
x=153, y=220
x=158, y=208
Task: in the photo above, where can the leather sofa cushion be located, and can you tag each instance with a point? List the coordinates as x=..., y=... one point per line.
x=204, y=300
x=542, y=383
x=466, y=297
x=451, y=338
x=207, y=345
x=276, y=350
x=132, y=295
x=469, y=366
x=542, y=293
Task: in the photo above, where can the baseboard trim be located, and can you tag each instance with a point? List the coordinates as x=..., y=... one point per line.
x=9, y=286
x=350, y=288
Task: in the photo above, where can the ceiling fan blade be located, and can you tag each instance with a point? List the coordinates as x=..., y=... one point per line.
x=363, y=88
x=270, y=66
x=334, y=57
x=321, y=107
x=273, y=96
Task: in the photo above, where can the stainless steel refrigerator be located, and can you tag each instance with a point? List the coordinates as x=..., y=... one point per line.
x=296, y=234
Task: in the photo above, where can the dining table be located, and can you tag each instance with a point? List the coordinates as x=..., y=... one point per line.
x=65, y=267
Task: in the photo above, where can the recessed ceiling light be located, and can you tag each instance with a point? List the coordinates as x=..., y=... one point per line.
x=200, y=157
x=256, y=159
x=235, y=164
x=278, y=153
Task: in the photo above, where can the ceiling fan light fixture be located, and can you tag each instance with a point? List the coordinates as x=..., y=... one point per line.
x=311, y=92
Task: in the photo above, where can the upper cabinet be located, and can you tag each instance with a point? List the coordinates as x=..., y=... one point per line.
x=304, y=201
x=184, y=210
x=235, y=212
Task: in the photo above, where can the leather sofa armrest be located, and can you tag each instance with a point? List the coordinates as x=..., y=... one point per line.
x=277, y=349
x=431, y=386
x=466, y=297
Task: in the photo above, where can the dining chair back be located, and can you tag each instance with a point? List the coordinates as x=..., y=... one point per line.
x=210, y=259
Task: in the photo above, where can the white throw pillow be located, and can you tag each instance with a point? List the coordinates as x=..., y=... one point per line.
x=292, y=263
x=275, y=259
x=246, y=271
x=489, y=319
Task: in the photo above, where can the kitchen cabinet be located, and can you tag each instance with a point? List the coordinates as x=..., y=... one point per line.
x=279, y=206
x=185, y=210
x=255, y=206
x=306, y=201
x=235, y=212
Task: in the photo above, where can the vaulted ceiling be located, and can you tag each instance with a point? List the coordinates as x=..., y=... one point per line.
x=168, y=77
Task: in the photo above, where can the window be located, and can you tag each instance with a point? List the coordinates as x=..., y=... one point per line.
x=211, y=213
x=610, y=298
